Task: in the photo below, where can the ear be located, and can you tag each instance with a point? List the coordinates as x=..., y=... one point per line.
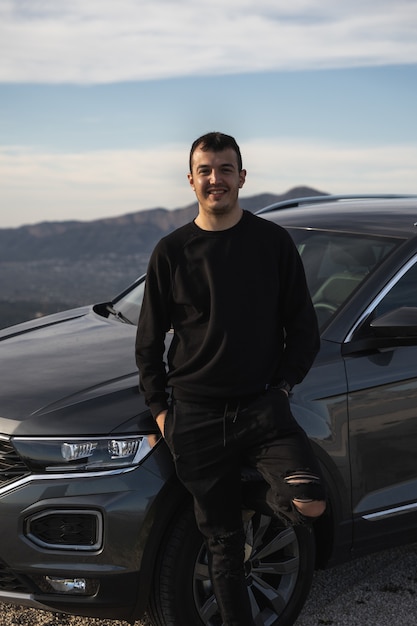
x=191, y=180
x=242, y=178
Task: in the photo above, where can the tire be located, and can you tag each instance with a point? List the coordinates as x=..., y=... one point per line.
x=280, y=567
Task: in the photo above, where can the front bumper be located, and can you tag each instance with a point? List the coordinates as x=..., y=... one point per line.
x=85, y=544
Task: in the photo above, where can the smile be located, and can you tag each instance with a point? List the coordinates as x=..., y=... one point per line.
x=216, y=192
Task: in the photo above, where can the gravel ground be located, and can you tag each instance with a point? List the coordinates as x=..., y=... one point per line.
x=377, y=590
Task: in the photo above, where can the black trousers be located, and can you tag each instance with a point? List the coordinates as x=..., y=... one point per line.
x=210, y=443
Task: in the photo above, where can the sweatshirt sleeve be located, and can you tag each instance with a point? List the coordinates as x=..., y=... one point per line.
x=154, y=323
x=302, y=338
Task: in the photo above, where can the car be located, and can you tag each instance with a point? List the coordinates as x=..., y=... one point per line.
x=97, y=523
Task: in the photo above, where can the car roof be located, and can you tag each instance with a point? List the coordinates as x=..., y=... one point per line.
x=394, y=216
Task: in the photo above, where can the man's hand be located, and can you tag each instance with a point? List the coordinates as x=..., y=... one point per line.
x=160, y=420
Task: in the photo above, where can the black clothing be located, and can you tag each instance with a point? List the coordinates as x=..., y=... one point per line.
x=210, y=444
x=243, y=321
x=231, y=297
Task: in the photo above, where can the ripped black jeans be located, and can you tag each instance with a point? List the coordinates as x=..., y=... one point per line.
x=210, y=443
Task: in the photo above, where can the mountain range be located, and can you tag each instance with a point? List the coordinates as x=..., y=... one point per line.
x=52, y=266
x=124, y=235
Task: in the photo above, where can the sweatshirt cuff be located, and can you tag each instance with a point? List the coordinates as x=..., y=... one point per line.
x=157, y=408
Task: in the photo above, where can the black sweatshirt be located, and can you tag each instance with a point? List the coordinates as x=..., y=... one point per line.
x=231, y=297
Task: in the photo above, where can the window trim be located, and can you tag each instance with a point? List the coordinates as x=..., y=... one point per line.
x=391, y=283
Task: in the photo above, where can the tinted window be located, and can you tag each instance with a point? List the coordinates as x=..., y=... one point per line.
x=402, y=294
x=336, y=264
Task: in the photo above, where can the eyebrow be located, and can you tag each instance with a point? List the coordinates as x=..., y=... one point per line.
x=225, y=164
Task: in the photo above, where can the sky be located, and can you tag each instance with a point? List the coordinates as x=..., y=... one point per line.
x=100, y=100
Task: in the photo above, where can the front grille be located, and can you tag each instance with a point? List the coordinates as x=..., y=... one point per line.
x=80, y=530
x=10, y=582
x=11, y=465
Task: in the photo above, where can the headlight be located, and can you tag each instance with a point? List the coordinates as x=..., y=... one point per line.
x=75, y=454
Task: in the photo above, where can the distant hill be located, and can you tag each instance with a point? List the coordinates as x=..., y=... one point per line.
x=52, y=266
x=124, y=235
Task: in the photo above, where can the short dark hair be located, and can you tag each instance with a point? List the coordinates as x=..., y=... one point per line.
x=216, y=142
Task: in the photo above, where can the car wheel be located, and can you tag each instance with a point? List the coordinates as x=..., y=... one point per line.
x=279, y=563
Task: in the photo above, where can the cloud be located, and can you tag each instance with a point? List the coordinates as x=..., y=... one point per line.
x=332, y=167
x=38, y=186
x=102, y=41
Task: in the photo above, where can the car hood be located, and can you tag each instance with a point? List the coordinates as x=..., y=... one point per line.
x=76, y=370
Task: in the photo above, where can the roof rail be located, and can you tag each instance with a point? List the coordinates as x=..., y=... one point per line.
x=321, y=199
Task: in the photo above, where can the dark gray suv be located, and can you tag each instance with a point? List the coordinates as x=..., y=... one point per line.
x=95, y=519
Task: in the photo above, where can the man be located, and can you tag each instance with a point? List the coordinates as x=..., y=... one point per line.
x=232, y=287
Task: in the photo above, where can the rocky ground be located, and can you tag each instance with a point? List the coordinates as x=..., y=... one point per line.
x=378, y=590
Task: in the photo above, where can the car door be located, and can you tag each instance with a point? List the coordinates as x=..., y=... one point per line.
x=381, y=370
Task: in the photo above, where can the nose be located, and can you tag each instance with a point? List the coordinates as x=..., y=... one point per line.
x=215, y=175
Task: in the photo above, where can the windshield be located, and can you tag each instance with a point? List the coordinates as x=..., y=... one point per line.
x=336, y=264
x=127, y=305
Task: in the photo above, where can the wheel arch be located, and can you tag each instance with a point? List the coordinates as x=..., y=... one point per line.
x=170, y=500
x=333, y=530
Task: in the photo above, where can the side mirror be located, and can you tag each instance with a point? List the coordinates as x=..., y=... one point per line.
x=400, y=322
x=390, y=330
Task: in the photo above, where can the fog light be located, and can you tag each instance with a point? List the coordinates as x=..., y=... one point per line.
x=67, y=585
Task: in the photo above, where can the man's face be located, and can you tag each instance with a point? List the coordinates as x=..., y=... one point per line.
x=216, y=180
